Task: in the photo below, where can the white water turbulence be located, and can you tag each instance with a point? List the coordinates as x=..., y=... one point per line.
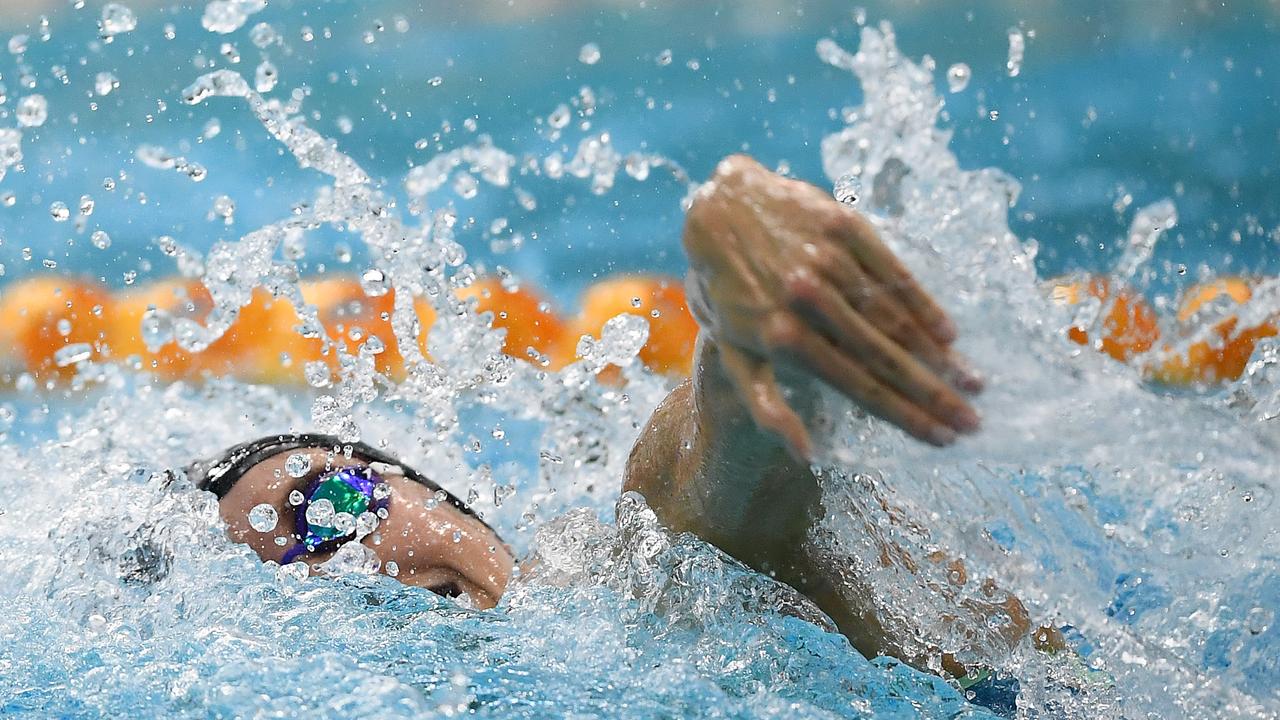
x=1145, y=521
x=121, y=596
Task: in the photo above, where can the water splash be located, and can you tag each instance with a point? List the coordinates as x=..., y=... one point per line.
x=1081, y=497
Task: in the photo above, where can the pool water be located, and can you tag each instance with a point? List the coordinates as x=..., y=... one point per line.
x=1140, y=517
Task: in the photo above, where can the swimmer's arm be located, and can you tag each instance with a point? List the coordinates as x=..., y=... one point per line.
x=789, y=285
x=705, y=468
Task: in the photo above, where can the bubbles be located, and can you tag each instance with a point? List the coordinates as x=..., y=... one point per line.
x=298, y=465
x=393, y=568
x=263, y=518
x=59, y=211
x=664, y=58
x=117, y=19
x=104, y=83
x=296, y=498
x=958, y=76
x=589, y=54
x=32, y=111
x=100, y=239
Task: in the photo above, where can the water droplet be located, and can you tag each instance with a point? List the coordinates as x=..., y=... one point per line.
x=100, y=239
x=263, y=35
x=343, y=522
x=117, y=19
x=86, y=205
x=104, y=82
x=637, y=166
x=298, y=465
x=435, y=81
x=263, y=518
x=1017, y=48
x=374, y=282
x=72, y=354
x=366, y=523
x=317, y=373
x=466, y=185
x=59, y=211
x=266, y=77
x=664, y=58
x=848, y=189
x=393, y=569
x=227, y=16
x=225, y=208
x=559, y=117
x=958, y=76
x=589, y=54
x=32, y=111
x=321, y=513
x=994, y=114
x=296, y=498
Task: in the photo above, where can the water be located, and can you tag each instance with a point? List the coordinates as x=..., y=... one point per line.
x=121, y=596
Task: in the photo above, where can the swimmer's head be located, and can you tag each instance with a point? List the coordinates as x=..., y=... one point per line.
x=423, y=536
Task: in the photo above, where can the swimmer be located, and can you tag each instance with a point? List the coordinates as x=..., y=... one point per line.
x=790, y=288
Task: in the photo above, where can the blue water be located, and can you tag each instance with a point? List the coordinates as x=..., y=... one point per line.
x=1153, y=537
x=1184, y=99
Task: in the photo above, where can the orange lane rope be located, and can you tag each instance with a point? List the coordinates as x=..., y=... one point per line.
x=43, y=316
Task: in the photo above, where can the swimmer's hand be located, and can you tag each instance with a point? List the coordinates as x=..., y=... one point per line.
x=784, y=277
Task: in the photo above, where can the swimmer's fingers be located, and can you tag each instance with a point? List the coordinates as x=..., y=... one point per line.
x=885, y=267
x=758, y=387
x=789, y=338
x=887, y=315
x=859, y=342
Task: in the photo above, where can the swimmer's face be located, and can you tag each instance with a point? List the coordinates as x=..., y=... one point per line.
x=433, y=545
